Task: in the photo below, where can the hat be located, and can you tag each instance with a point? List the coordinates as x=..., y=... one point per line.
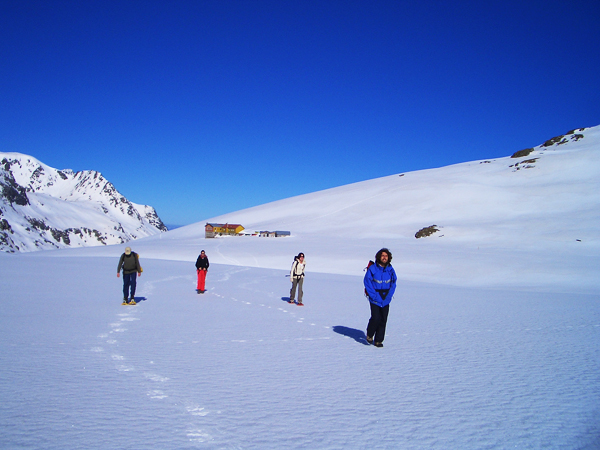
x=127, y=250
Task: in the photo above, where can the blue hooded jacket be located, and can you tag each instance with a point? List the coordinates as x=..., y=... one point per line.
x=380, y=284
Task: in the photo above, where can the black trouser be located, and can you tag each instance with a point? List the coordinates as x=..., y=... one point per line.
x=377, y=322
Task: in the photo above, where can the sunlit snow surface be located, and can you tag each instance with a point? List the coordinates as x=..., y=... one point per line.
x=238, y=367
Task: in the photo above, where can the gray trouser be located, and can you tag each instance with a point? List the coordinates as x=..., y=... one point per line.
x=296, y=282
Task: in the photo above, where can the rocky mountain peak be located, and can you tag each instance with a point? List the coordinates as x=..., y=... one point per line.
x=44, y=208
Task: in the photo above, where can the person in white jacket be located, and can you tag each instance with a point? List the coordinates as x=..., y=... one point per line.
x=297, y=278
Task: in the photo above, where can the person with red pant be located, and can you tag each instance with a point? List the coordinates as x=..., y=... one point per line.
x=202, y=268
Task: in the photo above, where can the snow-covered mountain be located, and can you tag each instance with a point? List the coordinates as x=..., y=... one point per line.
x=45, y=208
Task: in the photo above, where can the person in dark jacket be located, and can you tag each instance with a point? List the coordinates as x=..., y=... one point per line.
x=202, y=269
x=380, y=285
x=130, y=263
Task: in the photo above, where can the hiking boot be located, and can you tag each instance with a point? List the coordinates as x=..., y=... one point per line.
x=290, y=301
x=300, y=304
x=132, y=302
x=369, y=339
x=124, y=301
x=378, y=344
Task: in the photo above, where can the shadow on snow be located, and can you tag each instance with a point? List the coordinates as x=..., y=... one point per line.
x=358, y=335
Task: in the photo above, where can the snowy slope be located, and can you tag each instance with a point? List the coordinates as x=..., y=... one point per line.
x=45, y=208
x=555, y=186
x=530, y=221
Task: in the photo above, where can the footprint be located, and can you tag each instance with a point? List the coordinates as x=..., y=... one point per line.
x=157, y=394
x=116, y=326
x=196, y=411
x=155, y=377
x=198, y=436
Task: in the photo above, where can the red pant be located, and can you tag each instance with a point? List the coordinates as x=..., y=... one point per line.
x=201, y=279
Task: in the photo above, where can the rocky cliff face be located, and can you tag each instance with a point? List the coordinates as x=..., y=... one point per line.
x=44, y=208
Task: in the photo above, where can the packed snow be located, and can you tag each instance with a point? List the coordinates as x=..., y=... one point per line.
x=493, y=338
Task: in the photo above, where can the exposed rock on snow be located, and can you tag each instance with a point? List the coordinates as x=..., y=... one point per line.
x=571, y=136
x=427, y=231
x=521, y=153
x=44, y=208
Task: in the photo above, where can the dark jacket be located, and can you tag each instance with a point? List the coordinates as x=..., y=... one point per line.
x=380, y=284
x=202, y=263
x=129, y=263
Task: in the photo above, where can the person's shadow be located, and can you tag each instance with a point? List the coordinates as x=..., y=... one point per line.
x=358, y=335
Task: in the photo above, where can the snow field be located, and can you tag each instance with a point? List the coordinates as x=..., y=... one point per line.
x=238, y=367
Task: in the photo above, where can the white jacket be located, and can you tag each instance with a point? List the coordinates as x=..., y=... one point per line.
x=297, y=269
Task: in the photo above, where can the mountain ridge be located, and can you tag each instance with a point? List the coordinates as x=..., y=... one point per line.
x=45, y=208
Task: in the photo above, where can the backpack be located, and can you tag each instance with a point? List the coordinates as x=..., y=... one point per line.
x=293, y=265
x=138, y=259
x=365, y=269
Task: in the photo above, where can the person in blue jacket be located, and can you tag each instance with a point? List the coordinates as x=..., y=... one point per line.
x=380, y=285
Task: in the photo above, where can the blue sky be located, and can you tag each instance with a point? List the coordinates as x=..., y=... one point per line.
x=200, y=108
